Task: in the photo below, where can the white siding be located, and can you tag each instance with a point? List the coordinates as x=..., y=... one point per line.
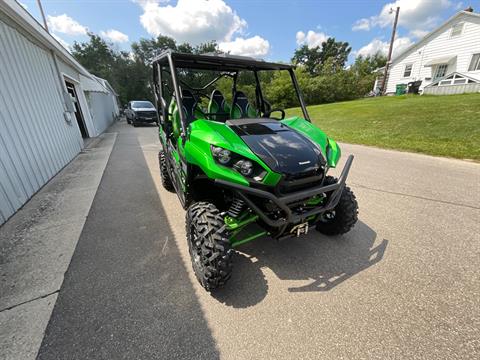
x=102, y=109
x=35, y=140
x=69, y=71
x=73, y=77
x=439, y=45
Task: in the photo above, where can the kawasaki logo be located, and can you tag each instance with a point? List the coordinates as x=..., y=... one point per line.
x=304, y=162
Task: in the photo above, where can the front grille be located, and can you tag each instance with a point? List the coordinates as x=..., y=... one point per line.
x=303, y=175
x=289, y=186
x=146, y=113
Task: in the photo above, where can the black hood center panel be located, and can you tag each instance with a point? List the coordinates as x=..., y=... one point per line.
x=283, y=149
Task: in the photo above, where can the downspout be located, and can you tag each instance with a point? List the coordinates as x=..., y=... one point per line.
x=421, y=66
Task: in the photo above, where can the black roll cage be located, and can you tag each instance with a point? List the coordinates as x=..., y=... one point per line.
x=228, y=64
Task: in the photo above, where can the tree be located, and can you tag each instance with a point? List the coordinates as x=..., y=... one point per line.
x=310, y=58
x=313, y=59
x=335, y=51
x=99, y=58
x=322, y=76
x=208, y=47
x=366, y=65
x=96, y=56
x=364, y=68
x=145, y=50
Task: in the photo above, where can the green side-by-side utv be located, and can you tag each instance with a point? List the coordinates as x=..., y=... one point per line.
x=239, y=167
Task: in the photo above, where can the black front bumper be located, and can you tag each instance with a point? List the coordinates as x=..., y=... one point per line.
x=142, y=119
x=282, y=202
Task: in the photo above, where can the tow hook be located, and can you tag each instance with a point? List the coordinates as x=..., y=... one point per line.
x=300, y=229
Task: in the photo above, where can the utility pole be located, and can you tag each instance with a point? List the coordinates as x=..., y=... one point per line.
x=43, y=15
x=389, y=57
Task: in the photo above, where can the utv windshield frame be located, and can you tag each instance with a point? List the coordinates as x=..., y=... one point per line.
x=229, y=65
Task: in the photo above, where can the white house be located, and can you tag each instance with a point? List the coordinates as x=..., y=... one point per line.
x=446, y=61
x=49, y=104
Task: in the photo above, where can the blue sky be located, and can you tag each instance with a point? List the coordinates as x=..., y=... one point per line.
x=266, y=29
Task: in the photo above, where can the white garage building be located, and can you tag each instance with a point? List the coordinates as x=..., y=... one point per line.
x=48, y=105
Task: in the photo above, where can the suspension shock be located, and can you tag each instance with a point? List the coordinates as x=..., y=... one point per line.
x=236, y=207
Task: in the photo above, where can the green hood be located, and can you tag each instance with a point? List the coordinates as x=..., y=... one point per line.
x=205, y=133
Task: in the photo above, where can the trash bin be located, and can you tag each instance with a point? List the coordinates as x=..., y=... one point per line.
x=401, y=89
x=414, y=87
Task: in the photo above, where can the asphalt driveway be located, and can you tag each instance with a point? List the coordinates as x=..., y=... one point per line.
x=403, y=284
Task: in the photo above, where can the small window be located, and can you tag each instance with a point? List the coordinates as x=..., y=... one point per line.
x=475, y=63
x=408, y=70
x=457, y=30
x=455, y=79
x=441, y=71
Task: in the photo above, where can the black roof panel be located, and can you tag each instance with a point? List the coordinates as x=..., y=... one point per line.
x=221, y=62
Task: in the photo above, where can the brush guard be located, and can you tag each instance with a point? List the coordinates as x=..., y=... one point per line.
x=282, y=202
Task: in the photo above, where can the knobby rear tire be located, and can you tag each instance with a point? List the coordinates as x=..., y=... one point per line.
x=164, y=174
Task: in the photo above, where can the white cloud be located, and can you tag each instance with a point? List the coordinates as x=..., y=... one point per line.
x=311, y=38
x=419, y=33
x=362, y=24
x=415, y=15
x=61, y=41
x=144, y=2
x=378, y=46
x=255, y=46
x=192, y=21
x=114, y=36
x=24, y=5
x=66, y=25
x=131, y=55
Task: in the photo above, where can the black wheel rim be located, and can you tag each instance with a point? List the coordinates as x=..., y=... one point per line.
x=196, y=251
x=327, y=216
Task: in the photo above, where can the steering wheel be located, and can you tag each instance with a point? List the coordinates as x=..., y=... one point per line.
x=270, y=111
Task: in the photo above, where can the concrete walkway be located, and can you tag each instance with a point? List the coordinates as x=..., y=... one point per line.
x=36, y=246
x=127, y=294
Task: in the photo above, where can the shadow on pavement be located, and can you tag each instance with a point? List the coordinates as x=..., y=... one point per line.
x=323, y=262
x=247, y=286
x=126, y=294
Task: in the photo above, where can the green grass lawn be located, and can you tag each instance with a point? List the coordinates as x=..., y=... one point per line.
x=435, y=125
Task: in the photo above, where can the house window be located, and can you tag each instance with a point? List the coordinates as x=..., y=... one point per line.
x=454, y=79
x=475, y=63
x=457, y=30
x=408, y=70
x=441, y=71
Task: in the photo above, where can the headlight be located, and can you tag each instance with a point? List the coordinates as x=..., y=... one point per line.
x=244, y=166
x=222, y=155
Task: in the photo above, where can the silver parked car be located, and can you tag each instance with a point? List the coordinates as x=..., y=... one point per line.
x=141, y=112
